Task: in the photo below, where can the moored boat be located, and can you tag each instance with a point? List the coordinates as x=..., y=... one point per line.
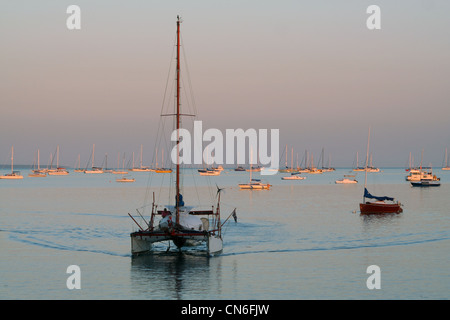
x=14, y=175
x=294, y=176
x=346, y=181
x=381, y=204
x=255, y=184
x=179, y=223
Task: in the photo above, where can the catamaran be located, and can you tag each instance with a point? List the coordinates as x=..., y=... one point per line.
x=178, y=222
x=380, y=205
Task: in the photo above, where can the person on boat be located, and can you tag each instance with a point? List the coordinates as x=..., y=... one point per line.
x=179, y=201
x=165, y=213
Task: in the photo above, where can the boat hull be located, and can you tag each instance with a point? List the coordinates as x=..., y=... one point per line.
x=11, y=177
x=255, y=186
x=125, y=180
x=293, y=178
x=425, y=184
x=377, y=208
x=142, y=241
x=346, y=181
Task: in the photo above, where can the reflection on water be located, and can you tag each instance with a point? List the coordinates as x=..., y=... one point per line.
x=174, y=275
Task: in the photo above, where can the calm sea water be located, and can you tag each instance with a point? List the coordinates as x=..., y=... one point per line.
x=300, y=240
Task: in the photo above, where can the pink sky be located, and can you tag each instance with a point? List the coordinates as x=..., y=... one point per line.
x=309, y=68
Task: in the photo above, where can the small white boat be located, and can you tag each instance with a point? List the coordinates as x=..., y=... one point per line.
x=37, y=172
x=93, y=169
x=125, y=179
x=209, y=172
x=293, y=177
x=255, y=185
x=12, y=175
x=58, y=172
x=345, y=181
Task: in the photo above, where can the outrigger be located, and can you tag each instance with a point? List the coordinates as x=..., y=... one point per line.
x=179, y=223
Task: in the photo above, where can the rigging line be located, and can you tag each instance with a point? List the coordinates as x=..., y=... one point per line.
x=189, y=79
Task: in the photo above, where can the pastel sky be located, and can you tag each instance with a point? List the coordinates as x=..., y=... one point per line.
x=309, y=68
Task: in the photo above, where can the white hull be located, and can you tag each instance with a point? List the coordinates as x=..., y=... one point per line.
x=125, y=180
x=293, y=178
x=254, y=186
x=11, y=177
x=93, y=171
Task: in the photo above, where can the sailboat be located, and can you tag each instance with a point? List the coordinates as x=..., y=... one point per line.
x=93, y=169
x=286, y=168
x=358, y=168
x=158, y=169
x=118, y=171
x=59, y=171
x=254, y=184
x=178, y=222
x=37, y=172
x=380, y=205
x=209, y=171
x=13, y=174
x=141, y=168
x=78, y=167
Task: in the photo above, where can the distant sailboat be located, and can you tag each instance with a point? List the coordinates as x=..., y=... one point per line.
x=347, y=180
x=14, y=174
x=125, y=179
x=141, y=168
x=254, y=184
x=78, y=167
x=93, y=169
x=37, y=172
x=59, y=171
x=294, y=176
x=158, y=169
x=118, y=171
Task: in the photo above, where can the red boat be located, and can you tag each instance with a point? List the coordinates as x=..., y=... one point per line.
x=379, y=206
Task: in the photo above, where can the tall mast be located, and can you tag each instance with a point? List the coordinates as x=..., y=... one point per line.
x=178, y=122
x=93, y=152
x=12, y=159
x=367, y=160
